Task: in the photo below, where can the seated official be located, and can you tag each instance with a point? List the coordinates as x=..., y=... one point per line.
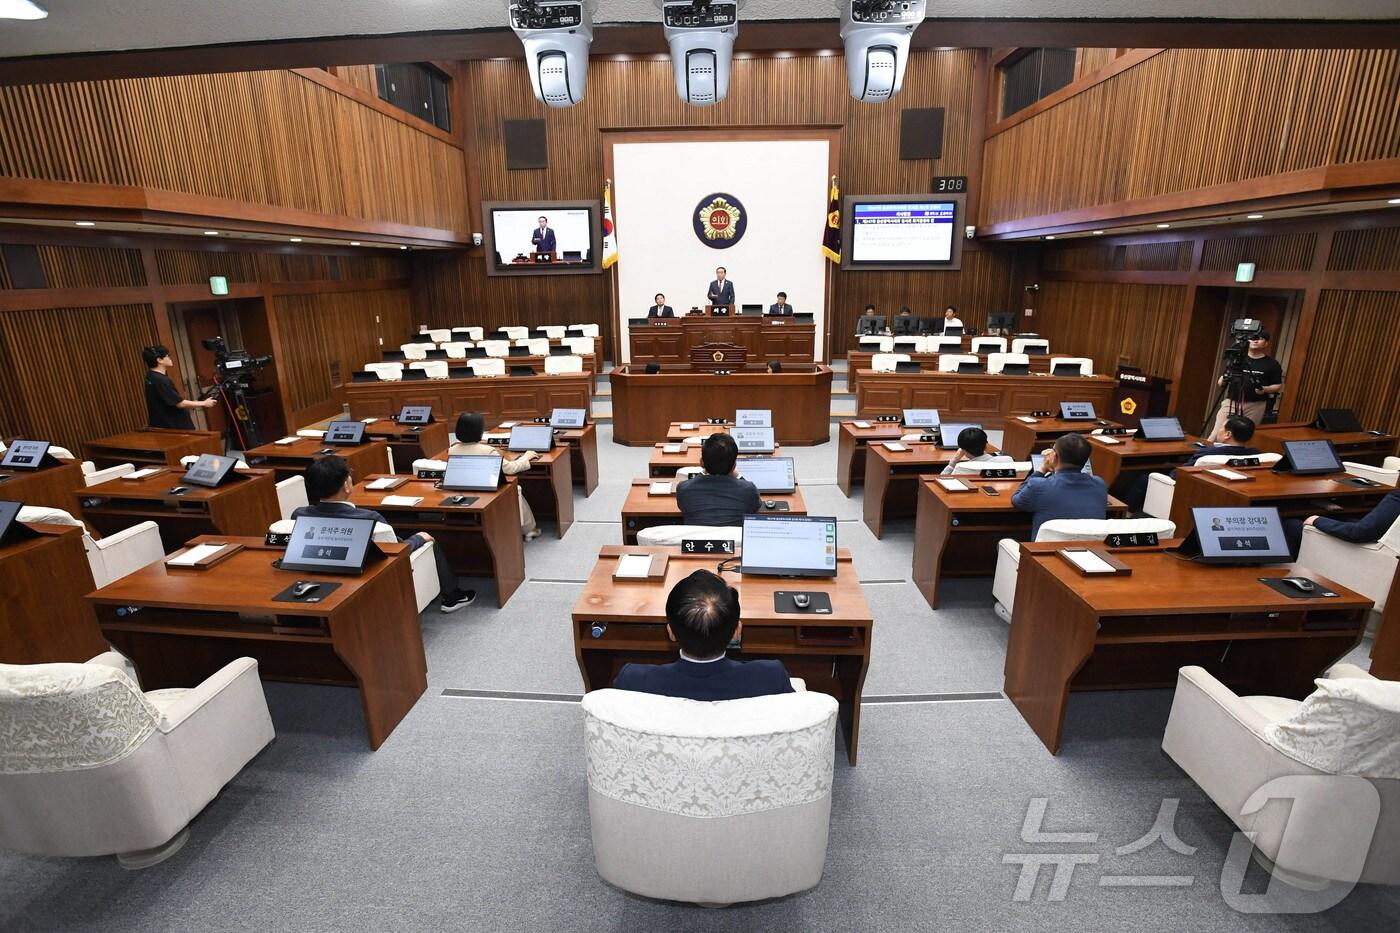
x=1367, y=529
x=972, y=448
x=702, y=616
x=1063, y=489
x=718, y=496
x=950, y=317
x=661, y=308
x=780, y=308
x=470, y=427
x=328, y=486
x=1231, y=443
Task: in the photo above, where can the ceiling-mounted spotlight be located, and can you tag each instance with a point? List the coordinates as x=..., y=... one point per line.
x=556, y=37
x=877, y=34
x=701, y=35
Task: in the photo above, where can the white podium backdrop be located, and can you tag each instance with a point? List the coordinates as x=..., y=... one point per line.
x=783, y=186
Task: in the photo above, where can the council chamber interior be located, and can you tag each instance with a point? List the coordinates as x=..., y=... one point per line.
x=693, y=464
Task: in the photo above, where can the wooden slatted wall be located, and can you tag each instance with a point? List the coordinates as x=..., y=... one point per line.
x=1352, y=360
x=325, y=337
x=1289, y=252
x=1108, y=320
x=1376, y=249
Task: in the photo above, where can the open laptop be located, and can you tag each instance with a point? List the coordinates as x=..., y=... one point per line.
x=472, y=472
x=789, y=546
x=536, y=437
x=769, y=474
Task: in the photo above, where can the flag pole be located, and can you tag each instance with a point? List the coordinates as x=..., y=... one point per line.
x=614, y=323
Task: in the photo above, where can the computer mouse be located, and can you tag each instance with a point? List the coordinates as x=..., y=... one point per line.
x=301, y=589
x=1303, y=584
x=1198, y=444
x=770, y=503
x=801, y=600
x=456, y=500
x=179, y=490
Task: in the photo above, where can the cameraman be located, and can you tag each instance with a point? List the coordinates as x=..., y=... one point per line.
x=1259, y=378
x=165, y=408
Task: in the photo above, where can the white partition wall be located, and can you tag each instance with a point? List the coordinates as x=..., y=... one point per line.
x=783, y=186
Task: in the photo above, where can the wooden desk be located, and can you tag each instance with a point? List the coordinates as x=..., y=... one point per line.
x=830, y=652
x=498, y=398
x=58, y=487
x=858, y=360
x=152, y=447
x=480, y=539
x=675, y=433
x=987, y=400
x=1020, y=439
x=956, y=533
x=1356, y=446
x=428, y=443
x=1294, y=496
x=892, y=478
x=549, y=486
x=663, y=464
x=643, y=510
x=363, y=634
x=583, y=442
x=645, y=406
x=1070, y=632
x=244, y=506
x=851, y=442
x=1118, y=465
x=288, y=460
x=669, y=341
x=42, y=582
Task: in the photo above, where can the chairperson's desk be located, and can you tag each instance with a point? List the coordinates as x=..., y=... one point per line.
x=644, y=407
x=481, y=538
x=245, y=505
x=42, y=581
x=831, y=652
x=978, y=397
x=1074, y=632
x=956, y=533
x=152, y=447
x=58, y=486
x=669, y=340
x=189, y=623
x=498, y=398
x=288, y=460
x=1357, y=446
x=644, y=510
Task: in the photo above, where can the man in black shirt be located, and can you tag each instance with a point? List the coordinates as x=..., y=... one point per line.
x=165, y=407
x=718, y=496
x=1263, y=379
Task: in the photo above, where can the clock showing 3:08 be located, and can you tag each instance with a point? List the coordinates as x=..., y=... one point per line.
x=950, y=184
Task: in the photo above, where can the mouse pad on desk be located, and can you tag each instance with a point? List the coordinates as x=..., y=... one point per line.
x=466, y=501
x=310, y=598
x=1287, y=589
x=778, y=506
x=820, y=605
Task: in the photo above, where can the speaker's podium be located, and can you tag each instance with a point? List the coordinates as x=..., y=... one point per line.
x=720, y=310
x=710, y=357
x=1138, y=396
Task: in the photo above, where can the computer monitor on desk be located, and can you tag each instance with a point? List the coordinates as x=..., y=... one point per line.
x=472, y=472
x=948, y=433
x=1160, y=429
x=210, y=471
x=921, y=417
x=345, y=433
x=1077, y=411
x=870, y=325
x=329, y=545
x=905, y=325
x=1244, y=535
x=1309, y=458
x=568, y=418
x=415, y=414
x=751, y=310
x=789, y=546
x=536, y=437
x=753, y=418
x=1335, y=420
x=27, y=455
x=769, y=474
x=754, y=440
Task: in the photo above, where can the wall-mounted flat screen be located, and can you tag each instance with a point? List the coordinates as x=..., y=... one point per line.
x=542, y=238
x=903, y=232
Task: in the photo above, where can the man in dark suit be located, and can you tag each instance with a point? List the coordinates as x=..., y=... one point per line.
x=721, y=289
x=661, y=308
x=1367, y=529
x=718, y=496
x=543, y=237
x=781, y=308
x=702, y=616
x=328, y=485
x=1237, y=431
x=1063, y=490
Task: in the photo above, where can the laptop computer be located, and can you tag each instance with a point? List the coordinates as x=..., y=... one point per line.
x=948, y=433
x=1160, y=429
x=1338, y=420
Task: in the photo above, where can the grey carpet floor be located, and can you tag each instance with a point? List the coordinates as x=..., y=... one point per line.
x=473, y=816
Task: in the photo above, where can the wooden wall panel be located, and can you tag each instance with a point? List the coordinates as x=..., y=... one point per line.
x=1106, y=320
x=1340, y=373
x=1089, y=61
x=360, y=76
x=271, y=138
x=79, y=267
x=1288, y=252
x=1375, y=249
x=191, y=266
x=1192, y=118
x=1131, y=257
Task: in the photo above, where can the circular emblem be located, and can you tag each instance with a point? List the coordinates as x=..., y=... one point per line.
x=720, y=220
x=718, y=357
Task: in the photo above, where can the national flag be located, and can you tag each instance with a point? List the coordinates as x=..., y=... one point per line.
x=609, y=232
x=831, y=236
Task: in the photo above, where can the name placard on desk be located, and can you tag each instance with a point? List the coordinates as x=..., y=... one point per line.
x=1141, y=539
x=999, y=473
x=707, y=546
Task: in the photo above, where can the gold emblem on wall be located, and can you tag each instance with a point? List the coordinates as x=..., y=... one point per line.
x=718, y=356
x=719, y=220
x=1127, y=406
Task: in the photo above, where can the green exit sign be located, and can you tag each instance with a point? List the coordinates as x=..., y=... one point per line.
x=218, y=285
x=1244, y=272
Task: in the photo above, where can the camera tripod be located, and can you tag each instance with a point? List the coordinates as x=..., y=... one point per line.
x=242, y=431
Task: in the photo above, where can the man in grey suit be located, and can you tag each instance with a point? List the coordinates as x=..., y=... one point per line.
x=721, y=289
x=780, y=308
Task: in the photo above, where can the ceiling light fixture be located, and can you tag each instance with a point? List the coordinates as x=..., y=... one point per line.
x=403, y=247
x=211, y=233
x=21, y=9
x=354, y=242
x=1050, y=236
x=1254, y=216
x=1393, y=201
x=296, y=239
x=85, y=223
x=1098, y=233
x=1163, y=226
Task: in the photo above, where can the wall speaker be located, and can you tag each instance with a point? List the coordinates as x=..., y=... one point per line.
x=921, y=133
x=526, y=146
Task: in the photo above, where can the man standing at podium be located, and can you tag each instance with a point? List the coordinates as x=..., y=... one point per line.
x=721, y=289
x=543, y=238
x=780, y=308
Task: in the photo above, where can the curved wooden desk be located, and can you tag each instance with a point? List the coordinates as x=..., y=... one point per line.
x=644, y=406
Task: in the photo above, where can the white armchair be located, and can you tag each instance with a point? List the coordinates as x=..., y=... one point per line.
x=440, y=334
x=457, y=349
x=1161, y=488
x=553, y=331
x=473, y=333
x=1233, y=746
x=587, y=330
x=996, y=362
x=886, y=362
x=877, y=344
x=709, y=803
x=95, y=477
x=538, y=346
x=673, y=535
x=1086, y=365
x=516, y=332
x=489, y=367
x=387, y=372
x=90, y=765
x=563, y=364
x=998, y=462
x=496, y=348
x=422, y=563
x=1030, y=345
x=1389, y=473
x=415, y=351
x=940, y=344
x=436, y=369
x=949, y=362
x=291, y=495
x=583, y=346
x=988, y=344
x=1062, y=529
x=1367, y=568
x=109, y=558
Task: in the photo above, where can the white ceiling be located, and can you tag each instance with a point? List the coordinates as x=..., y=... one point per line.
x=110, y=25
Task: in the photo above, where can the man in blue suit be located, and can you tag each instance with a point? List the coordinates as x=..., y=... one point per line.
x=1063, y=490
x=780, y=308
x=543, y=238
x=702, y=615
x=721, y=289
x=1365, y=530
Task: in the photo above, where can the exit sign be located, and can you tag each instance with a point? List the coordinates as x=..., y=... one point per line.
x=1244, y=272
x=218, y=285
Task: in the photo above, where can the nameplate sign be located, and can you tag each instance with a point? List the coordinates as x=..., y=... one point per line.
x=1141, y=539
x=278, y=539
x=889, y=419
x=706, y=546
x=1242, y=462
x=1046, y=413
x=999, y=473
x=430, y=474
x=1114, y=432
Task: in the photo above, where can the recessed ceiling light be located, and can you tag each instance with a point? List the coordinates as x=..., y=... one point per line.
x=1098, y=233
x=403, y=247
x=1393, y=201
x=211, y=233
x=1163, y=226
x=1254, y=216
x=296, y=239
x=85, y=223
x=1050, y=236
x=21, y=9
x=354, y=242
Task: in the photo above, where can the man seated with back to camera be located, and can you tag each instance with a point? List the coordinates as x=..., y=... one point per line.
x=972, y=448
x=718, y=496
x=1062, y=489
x=1230, y=442
x=329, y=484
x=702, y=616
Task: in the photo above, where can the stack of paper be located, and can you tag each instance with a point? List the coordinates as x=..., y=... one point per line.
x=195, y=554
x=673, y=448
x=1106, y=440
x=660, y=489
x=142, y=474
x=1228, y=474
x=861, y=424
x=633, y=566
x=385, y=482
x=1026, y=418
x=895, y=446
x=286, y=440
x=688, y=426
x=1088, y=561
x=401, y=500
x=954, y=485
x=509, y=424
x=369, y=420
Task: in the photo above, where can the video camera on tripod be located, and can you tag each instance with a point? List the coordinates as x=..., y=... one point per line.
x=234, y=372
x=1242, y=331
x=234, y=365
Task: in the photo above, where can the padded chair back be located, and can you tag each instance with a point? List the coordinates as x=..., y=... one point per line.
x=457, y=350
x=1222, y=459
x=415, y=351
x=672, y=535
x=583, y=346
x=563, y=364
x=949, y=362
x=291, y=495
x=885, y=362
x=878, y=344
x=45, y=515
x=474, y=333
x=191, y=459
x=588, y=330
x=1096, y=529
x=1389, y=477
x=515, y=332
x=1030, y=345
x=944, y=344
x=1086, y=365
x=539, y=346
x=709, y=802
x=553, y=331
x=996, y=362
x=988, y=344
x=387, y=372
x=688, y=472
x=999, y=462
x=495, y=347
x=112, y=472
x=440, y=335
x=383, y=534
x=489, y=367
x=436, y=369
x=908, y=340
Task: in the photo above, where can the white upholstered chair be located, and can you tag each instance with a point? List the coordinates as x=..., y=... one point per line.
x=942, y=344
x=996, y=362
x=489, y=367
x=1161, y=487
x=908, y=341
x=436, y=369
x=988, y=344
x=563, y=364
x=1062, y=529
x=111, y=557
x=495, y=348
x=1388, y=473
x=583, y=345
x=474, y=333
x=1030, y=345
x=538, y=346
x=387, y=372
x=415, y=351
x=586, y=330
x=709, y=803
x=239, y=465
x=672, y=535
x=91, y=765
x=440, y=334
x=423, y=564
x=1086, y=365
x=291, y=495
x=886, y=362
x=1369, y=569
x=457, y=349
x=949, y=362
x=998, y=462
x=1328, y=748
x=516, y=332
x=95, y=477
x=877, y=344
x=553, y=331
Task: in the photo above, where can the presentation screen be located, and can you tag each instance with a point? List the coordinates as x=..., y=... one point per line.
x=909, y=232
x=516, y=244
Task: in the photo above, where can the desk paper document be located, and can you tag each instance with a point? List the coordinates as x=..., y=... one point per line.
x=286, y=440
x=387, y=482
x=401, y=500
x=1088, y=561
x=895, y=446
x=1106, y=440
x=861, y=424
x=509, y=424
x=660, y=489
x=368, y=420
x=195, y=554
x=673, y=448
x=1026, y=418
x=633, y=566
x=1228, y=474
x=688, y=426
x=142, y=474
x=953, y=485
